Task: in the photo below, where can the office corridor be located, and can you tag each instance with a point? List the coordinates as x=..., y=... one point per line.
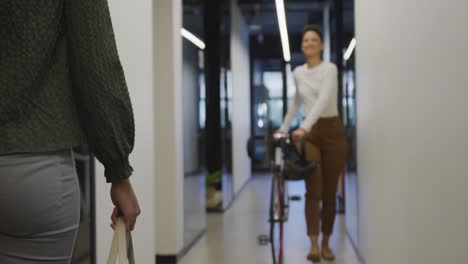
x=232, y=237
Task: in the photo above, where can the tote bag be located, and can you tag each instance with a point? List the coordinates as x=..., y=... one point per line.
x=121, y=246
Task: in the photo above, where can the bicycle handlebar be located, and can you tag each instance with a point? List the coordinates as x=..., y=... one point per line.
x=278, y=138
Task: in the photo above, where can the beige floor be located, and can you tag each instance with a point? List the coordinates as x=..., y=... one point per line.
x=232, y=237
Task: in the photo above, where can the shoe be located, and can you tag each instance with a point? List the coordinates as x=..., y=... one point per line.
x=314, y=255
x=328, y=254
x=214, y=198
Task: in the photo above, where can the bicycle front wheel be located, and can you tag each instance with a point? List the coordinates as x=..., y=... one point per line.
x=277, y=218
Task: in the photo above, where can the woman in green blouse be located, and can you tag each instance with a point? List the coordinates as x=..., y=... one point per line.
x=61, y=85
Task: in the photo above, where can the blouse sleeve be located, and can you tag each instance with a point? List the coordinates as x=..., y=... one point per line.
x=292, y=111
x=99, y=85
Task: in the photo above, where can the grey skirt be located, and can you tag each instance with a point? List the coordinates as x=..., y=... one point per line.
x=39, y=207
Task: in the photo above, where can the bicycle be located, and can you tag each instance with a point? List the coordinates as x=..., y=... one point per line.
x=287, y=164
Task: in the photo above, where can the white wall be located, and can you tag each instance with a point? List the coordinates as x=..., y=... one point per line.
x=240, y=67
x=412, y=127
x=169, y=135
x=133, y=27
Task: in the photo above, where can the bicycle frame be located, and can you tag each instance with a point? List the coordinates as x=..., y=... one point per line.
x=279, y=199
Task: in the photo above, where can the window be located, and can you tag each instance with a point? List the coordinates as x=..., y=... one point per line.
x=273, y=81
x=225, y=99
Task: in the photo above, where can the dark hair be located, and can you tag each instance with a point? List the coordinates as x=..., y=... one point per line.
x=312, y=28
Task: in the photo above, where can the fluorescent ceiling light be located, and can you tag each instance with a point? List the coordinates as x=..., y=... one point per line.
x=350, y=49
x=192, y=38
x=281, y=13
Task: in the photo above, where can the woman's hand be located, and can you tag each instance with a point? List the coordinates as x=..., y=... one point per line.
x=126, y=204
x=299, y=135
x=279, y=131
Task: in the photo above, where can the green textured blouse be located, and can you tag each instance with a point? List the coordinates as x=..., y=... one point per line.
x=62, y=83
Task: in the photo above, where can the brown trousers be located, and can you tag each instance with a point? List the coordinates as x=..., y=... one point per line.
x=326, y=143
